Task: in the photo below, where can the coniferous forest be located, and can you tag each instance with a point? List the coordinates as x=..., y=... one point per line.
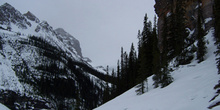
x=157, y=55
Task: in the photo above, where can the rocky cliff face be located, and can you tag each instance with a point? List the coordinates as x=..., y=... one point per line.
x=163, y=8
x=69, y=41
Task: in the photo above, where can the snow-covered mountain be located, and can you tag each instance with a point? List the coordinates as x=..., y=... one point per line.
x=28, y=24
x=43, y=68
x=192, y=88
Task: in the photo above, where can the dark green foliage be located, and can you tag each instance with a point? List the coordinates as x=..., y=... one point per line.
x=201, y=44
x=156, y=56
x=132, y=68
x=161, y=72
x=177, y=34
x=145, y=57
x=217, y=31
x=181, y=51
x=107, y=89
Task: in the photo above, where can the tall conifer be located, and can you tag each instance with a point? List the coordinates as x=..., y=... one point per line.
x=142, y=58
x=131, y=66
x=201, y=45
x=156, y=56
x=182, y=33
x=217, y=31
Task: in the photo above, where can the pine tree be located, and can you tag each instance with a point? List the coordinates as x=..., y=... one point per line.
x=145, y=57
x=122, y=61
x=131, y=67
x=106, y=90
x=139, y=41
x=142, y=59
x=118, y=90
x=141, y=88
x=156, y=56
x=171, y=33
x=181, y=50
x=217, y=31
x=125, y=75
x=165, y=78
x=201, y=45
x=161, y=70
x=114, y=86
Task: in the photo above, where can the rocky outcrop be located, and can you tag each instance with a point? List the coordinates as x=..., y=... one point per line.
x=69, y=41
x=31, y=17
x=163, y=8
x=9, y=14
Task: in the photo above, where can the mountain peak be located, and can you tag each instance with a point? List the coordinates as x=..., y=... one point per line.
x=70, y=42
x=9, y=14
x=62, y=32
x=60, y=29
x=7, y=5
x=31, y=17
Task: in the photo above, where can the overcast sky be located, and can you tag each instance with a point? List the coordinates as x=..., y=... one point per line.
x=101, y=26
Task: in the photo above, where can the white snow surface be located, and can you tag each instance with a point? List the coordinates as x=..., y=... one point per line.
x=3, y=107
x=208, y=19
x=192, y=88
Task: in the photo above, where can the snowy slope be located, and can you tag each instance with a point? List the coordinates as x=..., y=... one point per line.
x=3, y=107
x=192, y=89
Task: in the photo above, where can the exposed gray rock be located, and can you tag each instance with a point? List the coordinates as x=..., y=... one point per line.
x=69, y=41
x=31, y=17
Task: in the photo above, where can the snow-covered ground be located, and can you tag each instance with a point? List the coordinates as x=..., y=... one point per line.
x=192, y=89
x=3, y=107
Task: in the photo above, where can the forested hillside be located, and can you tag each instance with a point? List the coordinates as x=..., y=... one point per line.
x=180, y=36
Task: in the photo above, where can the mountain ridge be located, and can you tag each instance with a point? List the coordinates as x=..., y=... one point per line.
x=39, y=67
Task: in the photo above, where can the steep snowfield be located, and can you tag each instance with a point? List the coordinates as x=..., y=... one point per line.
x=8, y=78
x=192, y=89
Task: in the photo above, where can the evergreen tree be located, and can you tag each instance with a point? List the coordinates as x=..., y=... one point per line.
x=181, y=50
x=113, y=87
x=201, y=45
x=141, y=88
x=118, y=90
x=132, y=73
x=164, y=75
x=142, y=59
x=125, y=77
x=139, y=41
x=107, y=90
x=217, y=31
x=156, y=56
x=145, y=57
x=170, y=33
x=161, y=70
